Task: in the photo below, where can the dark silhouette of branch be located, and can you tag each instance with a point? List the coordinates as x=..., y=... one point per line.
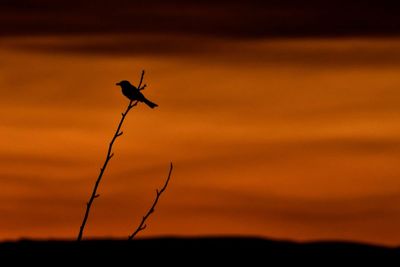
x=142, y=224
x=118, y=133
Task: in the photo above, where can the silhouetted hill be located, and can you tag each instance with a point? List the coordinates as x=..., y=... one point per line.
x=192, y=251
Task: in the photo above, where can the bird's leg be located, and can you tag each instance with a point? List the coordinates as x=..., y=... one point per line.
x=142, y=88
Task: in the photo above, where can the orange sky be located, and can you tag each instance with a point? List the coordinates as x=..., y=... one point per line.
x=285, y=138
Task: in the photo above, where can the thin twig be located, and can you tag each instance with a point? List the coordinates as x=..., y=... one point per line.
x=118, y=133
x=142, y=224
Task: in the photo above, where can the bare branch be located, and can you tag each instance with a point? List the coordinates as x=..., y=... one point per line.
x=143, y=87
x=132, y=105
x=94, y=194
x=141, y=79
x=142, y=224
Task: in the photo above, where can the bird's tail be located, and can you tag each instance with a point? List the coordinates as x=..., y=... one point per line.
x=149, y=103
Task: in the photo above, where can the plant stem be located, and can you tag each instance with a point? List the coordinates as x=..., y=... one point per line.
x=118, y=133
x=142, y=224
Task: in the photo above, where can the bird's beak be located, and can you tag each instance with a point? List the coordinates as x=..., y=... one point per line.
x=118, y=84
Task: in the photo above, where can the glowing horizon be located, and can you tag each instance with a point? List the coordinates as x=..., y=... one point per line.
x=285, y=138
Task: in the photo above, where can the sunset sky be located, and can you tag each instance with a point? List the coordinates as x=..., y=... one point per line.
x=282, y=118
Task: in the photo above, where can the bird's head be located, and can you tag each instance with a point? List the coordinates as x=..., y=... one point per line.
x=124, y=83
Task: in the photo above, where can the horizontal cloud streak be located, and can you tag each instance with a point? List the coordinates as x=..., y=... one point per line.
x=300, y=209
x=324, y=52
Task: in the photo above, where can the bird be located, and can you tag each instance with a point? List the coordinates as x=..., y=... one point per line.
x=134, y=93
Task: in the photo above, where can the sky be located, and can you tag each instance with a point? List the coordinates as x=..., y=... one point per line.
x=281, y=118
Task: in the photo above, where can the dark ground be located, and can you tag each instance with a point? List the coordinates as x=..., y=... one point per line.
x=194, y=251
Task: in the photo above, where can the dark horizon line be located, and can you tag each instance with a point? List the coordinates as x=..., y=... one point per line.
x=220, y=238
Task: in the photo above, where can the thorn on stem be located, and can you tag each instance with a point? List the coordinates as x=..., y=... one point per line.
x=96, y=196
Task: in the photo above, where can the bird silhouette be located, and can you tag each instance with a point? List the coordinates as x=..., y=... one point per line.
x=134, y=93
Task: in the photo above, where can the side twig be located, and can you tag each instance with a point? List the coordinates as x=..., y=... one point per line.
x=118, y=133
x=142, y=224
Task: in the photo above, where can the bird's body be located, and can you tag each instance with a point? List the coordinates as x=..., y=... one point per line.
x=134, y=93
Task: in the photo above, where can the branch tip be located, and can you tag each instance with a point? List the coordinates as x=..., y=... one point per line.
x=142, y=224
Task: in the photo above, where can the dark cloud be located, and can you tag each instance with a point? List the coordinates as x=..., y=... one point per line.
x=117, y=44
x=349, y=52
x=229, y=19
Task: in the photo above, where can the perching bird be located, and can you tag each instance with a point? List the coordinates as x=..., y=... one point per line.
x=134, y=94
